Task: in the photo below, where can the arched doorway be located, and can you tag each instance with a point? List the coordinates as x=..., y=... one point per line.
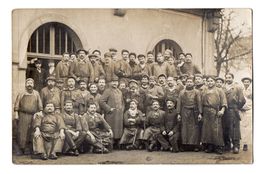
x=50, y=41
x=167, y=44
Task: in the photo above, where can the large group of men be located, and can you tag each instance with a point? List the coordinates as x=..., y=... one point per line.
x=89, y=103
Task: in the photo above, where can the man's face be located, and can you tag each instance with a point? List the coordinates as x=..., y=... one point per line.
x=229, y=79
x=73, y=57
x=132, y=105
x=92, y=109
x=211, y=83
x=170, y=61
x=188, y=58
x=49, y=108
x=145, y=80
x=182, y=57
x=122, y=86
x=152, y=82
x=66, y=57
x=114, y=84
x=29, y=85
x=92, y=59
x=219, y=83
x=82, y=86
x=132, y=58
x=93, y=89
x=102, y=83
x=160, y=58
x=162, y=80
x=51, y=83
x=133, y=89
x=198, y=80
x=246, y=83
x=170, y=104
x=125, y=55
x=68, y=107
x=141, y=60
x=51, y=64
x=71, y=83
x=167, y=55
x=189, y=83
x=171, y=82
x=156, y=105
x=179, y=82
x=113, y=53
x=150, y=58
x=81, y=55
x=59, y=85
x=38, y=65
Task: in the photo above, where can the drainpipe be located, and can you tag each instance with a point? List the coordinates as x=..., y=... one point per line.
x=203, y=41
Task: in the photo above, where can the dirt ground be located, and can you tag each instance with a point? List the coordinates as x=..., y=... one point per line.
x=144, y=157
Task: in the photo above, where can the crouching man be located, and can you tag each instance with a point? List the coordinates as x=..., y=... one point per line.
x=48, y=134
x=99, y=133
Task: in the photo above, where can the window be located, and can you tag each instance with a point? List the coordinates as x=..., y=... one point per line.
x=50, y=41
x=167, y=44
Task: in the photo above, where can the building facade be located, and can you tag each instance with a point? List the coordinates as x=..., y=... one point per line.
x=47, y=33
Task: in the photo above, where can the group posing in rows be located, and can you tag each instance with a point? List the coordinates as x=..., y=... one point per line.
x=87, y=103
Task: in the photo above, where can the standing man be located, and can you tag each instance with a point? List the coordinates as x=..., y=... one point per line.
x=26, y=105
x=82, y=68
x=123, y=69
x=109, y=67
x=246, y=113
x=62, y=68
x=188, y=67
x=113, y=105
x=38, y=74
x=160, y=67
x=150, y=58
x=97, y=67
x=231, y=119
x=113, y=52
x=145, y=68
x=101, y=85
x=51, y=93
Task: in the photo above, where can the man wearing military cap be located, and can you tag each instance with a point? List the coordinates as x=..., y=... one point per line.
x=26, y=105
x=112, y=103
x=97, y=67
x=51, y=93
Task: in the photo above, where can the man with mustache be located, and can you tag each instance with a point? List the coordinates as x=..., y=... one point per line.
x=26, y=105
x=188, y=67
x=97, y=67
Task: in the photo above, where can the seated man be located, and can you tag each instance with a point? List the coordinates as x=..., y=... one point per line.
x=49, y=134
x=133, y=132
x=73, y=131
x=155, y=126
x=99, y=133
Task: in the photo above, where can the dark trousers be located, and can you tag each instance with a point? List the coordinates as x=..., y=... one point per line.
x=72, y=144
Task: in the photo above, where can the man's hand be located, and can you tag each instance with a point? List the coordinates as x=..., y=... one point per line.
x=179, y=117
x=164, y=133
x=62, y=135
x=199, y=117
x=220, y=113
x=37, y=132
x=57, y=111
x=92, y=138
x=75, y=135
x=16, y=116
x=111, y=133
x=170, y=133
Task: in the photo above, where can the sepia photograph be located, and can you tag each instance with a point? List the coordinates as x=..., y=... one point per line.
x=132, y=86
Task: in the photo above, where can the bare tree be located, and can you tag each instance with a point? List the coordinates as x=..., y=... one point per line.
x=225, y=39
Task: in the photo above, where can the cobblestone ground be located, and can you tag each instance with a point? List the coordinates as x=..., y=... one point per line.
x=144, y=157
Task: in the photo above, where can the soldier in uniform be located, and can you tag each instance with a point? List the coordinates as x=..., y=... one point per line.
x=48, y=137
x=189, y=109
x=231, y=119
x=26, y=105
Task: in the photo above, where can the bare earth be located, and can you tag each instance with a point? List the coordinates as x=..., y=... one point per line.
x=144, y=157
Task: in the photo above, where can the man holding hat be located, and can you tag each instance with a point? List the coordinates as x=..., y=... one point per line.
x=113, y=105
x=26, y=105
x=97, y=67
x=51, y=93
x=82, y=68
x=246, y=114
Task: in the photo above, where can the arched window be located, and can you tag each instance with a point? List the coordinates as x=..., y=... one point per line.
x=50, y=41
x=167, y=44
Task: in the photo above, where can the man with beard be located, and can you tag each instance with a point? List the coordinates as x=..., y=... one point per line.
x=101, y=85
x=26, y=105
x=71, y=93
x=220, y=82
x=74, y=136
x=51, y=93
x=214, y=104
x=98, y=69
x=62, y=68
x=38, y=74
x=82, y=68
x=188, y=67
x=231, y=119
x=189, y=110
x=123, y=69
x=109, y=67
x=48, y=137
x=160, y=67
x=93, y=96
x=113, y=105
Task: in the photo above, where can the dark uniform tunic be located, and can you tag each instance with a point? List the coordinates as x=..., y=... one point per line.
x=189, y=68
x=49, y=141
x=189, y=106
x=231, y=119
x=38, y=77
x=132, y=130
x=212, y=101
x=26, y=104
